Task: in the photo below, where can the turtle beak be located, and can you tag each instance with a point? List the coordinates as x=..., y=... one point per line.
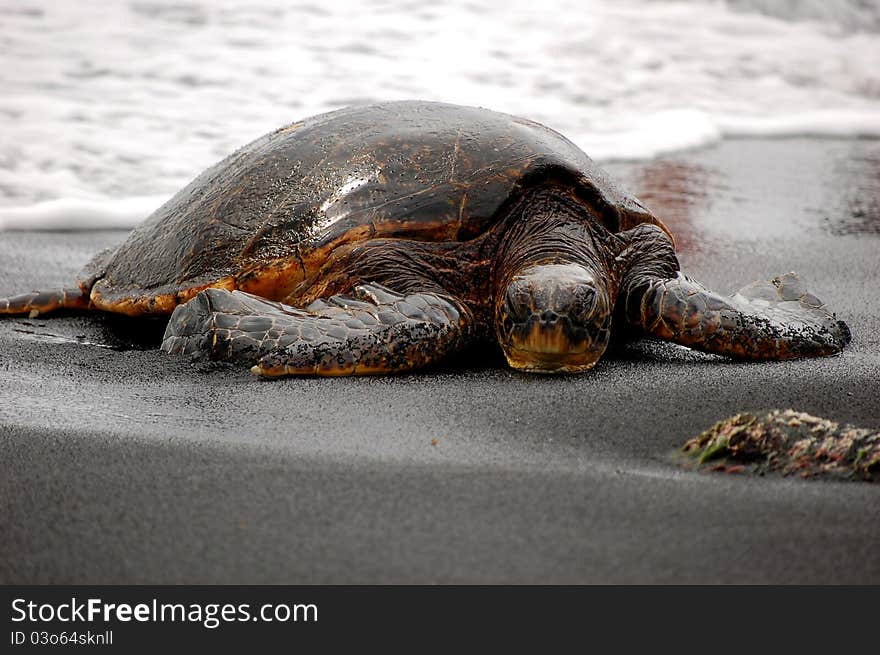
x=551, y=345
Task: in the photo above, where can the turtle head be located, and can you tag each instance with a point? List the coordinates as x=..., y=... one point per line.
x=554, y=318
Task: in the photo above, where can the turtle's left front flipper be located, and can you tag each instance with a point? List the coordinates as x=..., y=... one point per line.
x=778, y=319
x=376, y=331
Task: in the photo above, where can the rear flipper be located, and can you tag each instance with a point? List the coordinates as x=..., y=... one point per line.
x=778, y=319
x=43, y=302
x=377, y=331
x=76, y=298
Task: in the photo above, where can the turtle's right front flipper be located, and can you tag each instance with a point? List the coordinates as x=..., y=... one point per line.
x=378, y=331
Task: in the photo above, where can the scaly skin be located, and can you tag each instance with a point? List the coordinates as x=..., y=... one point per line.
x=778, y=319
x=377, y=331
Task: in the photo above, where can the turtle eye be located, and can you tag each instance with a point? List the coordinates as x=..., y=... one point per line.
x=518, y=300
x=585, y=301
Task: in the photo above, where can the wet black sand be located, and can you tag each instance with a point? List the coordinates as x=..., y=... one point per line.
x=131, y=466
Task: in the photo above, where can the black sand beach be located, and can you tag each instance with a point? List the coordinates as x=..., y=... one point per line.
x=129, y=466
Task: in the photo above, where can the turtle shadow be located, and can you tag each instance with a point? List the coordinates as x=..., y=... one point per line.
x=654, y=351
x=103, y=330
x=487, y=356
x=125, y=333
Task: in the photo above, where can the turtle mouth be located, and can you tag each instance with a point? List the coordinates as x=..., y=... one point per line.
x=550, y=346
x=532, y=362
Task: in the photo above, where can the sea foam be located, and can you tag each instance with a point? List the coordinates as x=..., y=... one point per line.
x=79, y=213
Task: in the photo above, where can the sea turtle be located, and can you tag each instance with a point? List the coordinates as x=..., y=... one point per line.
x=382, y=238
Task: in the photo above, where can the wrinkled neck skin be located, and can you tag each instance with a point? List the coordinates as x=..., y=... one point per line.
x=554, y=229
x=555, y=285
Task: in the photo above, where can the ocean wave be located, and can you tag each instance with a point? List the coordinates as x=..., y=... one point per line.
x=80, y=213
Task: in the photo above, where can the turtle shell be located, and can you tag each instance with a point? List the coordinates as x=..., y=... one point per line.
x=270, y=213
